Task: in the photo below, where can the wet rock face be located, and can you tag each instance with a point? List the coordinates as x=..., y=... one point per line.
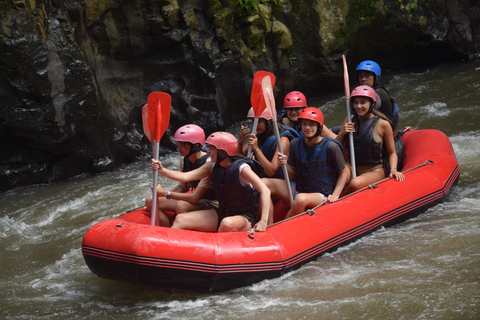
x=75, y=75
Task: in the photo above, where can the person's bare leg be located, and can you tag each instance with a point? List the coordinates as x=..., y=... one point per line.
x=303, y=201
x=162, y=204
x=234, y=223
x=202, y=220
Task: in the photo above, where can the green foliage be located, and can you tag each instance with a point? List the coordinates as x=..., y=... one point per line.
x=407, y=5
x=364, y=10
x=250, y=6
x=292, y=60
x=411, y=6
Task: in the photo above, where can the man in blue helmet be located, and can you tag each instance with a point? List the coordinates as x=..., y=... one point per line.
x=369, y=73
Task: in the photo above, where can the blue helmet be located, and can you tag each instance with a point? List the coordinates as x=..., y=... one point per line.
x=369, y=65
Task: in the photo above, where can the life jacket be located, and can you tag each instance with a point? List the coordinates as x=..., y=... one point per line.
x=189, y=166
x=395, y=115
x=367, y=151
x=400, y=151
x=233, y=197
x=315, y=174
x=269, y=147
x=294, y=131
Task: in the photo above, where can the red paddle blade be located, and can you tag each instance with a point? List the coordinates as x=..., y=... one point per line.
x=256, y=99
x=345, y=77
x=146, y=129
x=267, y=90
x=159, y=104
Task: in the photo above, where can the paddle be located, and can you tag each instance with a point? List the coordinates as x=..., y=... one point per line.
x=267, y=90
x=257, y=100
x=158, y=118
x=146, y=129
x=349, y=116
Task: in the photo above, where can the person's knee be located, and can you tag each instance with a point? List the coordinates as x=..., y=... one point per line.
x=181, y=207
x=227, y=225
x=355, y=184
x=148, y=203
x=180, y=222
x=300, y=199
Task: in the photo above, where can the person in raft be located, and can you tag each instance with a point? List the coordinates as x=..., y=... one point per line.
x=293, y=103
x=244, y=200
x=316, y=166
x=264, y=143
x=368, y=74
x=190, y=139
x=372, y=135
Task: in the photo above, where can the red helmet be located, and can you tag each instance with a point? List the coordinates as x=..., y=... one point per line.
x=313, y=114
x=364, y=91
x=295, y=99
x=265, y=114
x=190, y=133
x=224, y=141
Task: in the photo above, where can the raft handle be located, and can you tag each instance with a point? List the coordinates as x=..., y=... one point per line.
x=311, y=212
x=120, y=225
x=372, y=186
x=251, y=234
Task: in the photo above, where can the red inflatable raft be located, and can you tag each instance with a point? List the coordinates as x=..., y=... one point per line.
x=127, y=248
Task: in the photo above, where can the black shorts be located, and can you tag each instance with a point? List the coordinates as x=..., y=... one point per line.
x=250, y=216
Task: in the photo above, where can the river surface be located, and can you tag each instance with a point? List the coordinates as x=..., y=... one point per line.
x=425, y=268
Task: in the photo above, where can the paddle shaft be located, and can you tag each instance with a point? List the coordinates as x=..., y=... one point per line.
x=349, y=116
x=350, y=139
x=254, y=131
x=155, y=183
x=284, y=166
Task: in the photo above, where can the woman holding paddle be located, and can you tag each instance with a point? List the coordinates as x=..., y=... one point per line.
x=264, y=143
x=190, y=140
x=244, y=200
x=372, y=134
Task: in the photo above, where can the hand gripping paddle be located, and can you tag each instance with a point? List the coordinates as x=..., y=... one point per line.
x=349, y=116
x=267, y=90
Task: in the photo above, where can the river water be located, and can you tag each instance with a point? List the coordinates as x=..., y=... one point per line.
x=424, y=268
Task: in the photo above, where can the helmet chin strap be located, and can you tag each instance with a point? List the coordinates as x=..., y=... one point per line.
x=319, y=132
x=194, y=147
x=221, y=157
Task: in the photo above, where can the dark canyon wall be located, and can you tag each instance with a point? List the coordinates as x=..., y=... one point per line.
x=75, y=74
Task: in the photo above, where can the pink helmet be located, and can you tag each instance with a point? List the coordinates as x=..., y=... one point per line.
x=364, y=91
x=190, y=133
x=295, y=99
x=265, y=114
x=224, y=141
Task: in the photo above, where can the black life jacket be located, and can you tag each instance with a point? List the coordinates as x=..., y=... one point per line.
x=189, y=166
x=233, y=197
x=399, y=149
x=367, y=151
x=394, y=117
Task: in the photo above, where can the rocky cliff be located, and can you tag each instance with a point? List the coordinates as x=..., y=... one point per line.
x=75, y=74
